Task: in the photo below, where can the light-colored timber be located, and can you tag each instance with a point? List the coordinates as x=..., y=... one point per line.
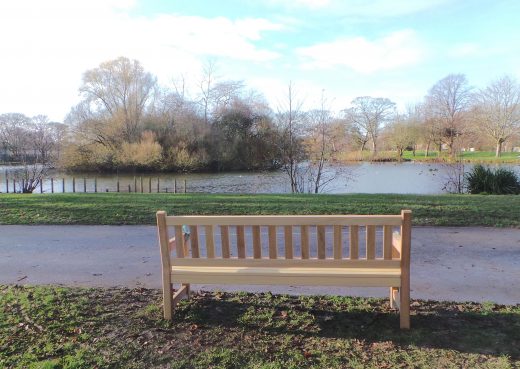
x=200, y=263
x=354, y=242
x=210, y=242
x=241, y=242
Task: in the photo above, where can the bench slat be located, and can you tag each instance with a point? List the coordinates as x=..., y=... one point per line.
x=273, y=254
x=210, y=243
x=224, y=238
x=179, y=241
x=354, y=242
x=387, y=242
x=241, y=242
x=304, y=234
x=362, y=277
x=257, y=245
x=288, y=242
x=371, y=242
x=283, y=220
x=321, y=241
x=284, y=263
x=194, y=241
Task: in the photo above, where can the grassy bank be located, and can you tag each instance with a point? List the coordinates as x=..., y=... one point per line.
x=114, y=209
x=53, y=327
x=485, y=157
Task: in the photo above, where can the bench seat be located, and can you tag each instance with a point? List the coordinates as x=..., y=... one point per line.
x=301, y=276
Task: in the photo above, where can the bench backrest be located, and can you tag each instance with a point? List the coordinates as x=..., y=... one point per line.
x=290, y=237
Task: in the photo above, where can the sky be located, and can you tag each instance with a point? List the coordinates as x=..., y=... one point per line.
x=339, y=49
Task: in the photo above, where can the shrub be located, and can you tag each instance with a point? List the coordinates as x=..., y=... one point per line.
x=498, y=182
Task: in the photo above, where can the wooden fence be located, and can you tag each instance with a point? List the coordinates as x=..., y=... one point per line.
x=90, y=185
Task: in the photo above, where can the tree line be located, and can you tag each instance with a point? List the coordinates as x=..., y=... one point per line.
x=127, y=121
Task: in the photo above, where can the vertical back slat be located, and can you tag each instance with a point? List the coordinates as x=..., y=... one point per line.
x=305, y=241
x=273, y=254
x=224, y=238
x=179, y=241
x=241, y=242
x=354, y=242
x=210, y=243
x=288, y=242
x=337, y=242
x=257, y=245
x=321, y=241
x=194, y=241
x=371, y=242
x=387, y=242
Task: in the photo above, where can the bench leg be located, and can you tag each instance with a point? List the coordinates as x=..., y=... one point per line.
x=167, y=300
x=404, y=307
x=394, y=302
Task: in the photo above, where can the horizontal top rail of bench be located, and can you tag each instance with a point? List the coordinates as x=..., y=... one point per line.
x=284, y=220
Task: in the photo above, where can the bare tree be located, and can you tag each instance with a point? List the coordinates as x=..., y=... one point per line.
x=119, y=89
x=290, y=119
x=215, y=95
x=320, y=148
x=369, y=115
x=13, y=135
x=206, y=86
x=449, y=100
x=31, y=142
x=497, y=109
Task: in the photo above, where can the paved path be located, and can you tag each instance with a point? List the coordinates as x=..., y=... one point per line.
x=460, y=264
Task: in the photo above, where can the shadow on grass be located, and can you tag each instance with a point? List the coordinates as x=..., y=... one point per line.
x=469, y=328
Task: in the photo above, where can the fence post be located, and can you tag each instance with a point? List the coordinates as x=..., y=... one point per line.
x=184, y=186
x=52, y=185
x=166, y=190
x=14, y=185
x=175, y=185
x=129, y=188
x=41, y=185
x=84, y=185
x=135, y=184
x=158, y=185
x=141, y=178
x=73, y=184
x=117, y=184
x=6, y=183
x=95, y=184
x=150, y=185
x=63, y=184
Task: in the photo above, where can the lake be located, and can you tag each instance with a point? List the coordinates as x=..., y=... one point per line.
x=399, y=178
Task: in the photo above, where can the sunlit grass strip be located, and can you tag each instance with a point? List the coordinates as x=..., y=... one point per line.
x=117, y=209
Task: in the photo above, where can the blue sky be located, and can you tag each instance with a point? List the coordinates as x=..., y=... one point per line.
x=396, y=49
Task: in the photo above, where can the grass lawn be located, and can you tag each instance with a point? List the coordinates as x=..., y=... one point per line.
x=120, y=208
x=433, y=156
x=467, y=156
x=55, y=327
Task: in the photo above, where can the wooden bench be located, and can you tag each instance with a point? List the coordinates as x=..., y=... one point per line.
x=296, y=254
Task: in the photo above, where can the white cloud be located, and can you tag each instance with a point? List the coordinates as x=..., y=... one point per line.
x=396, y=50
x=47, y=45
x=361, y=8
x=295, y=4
